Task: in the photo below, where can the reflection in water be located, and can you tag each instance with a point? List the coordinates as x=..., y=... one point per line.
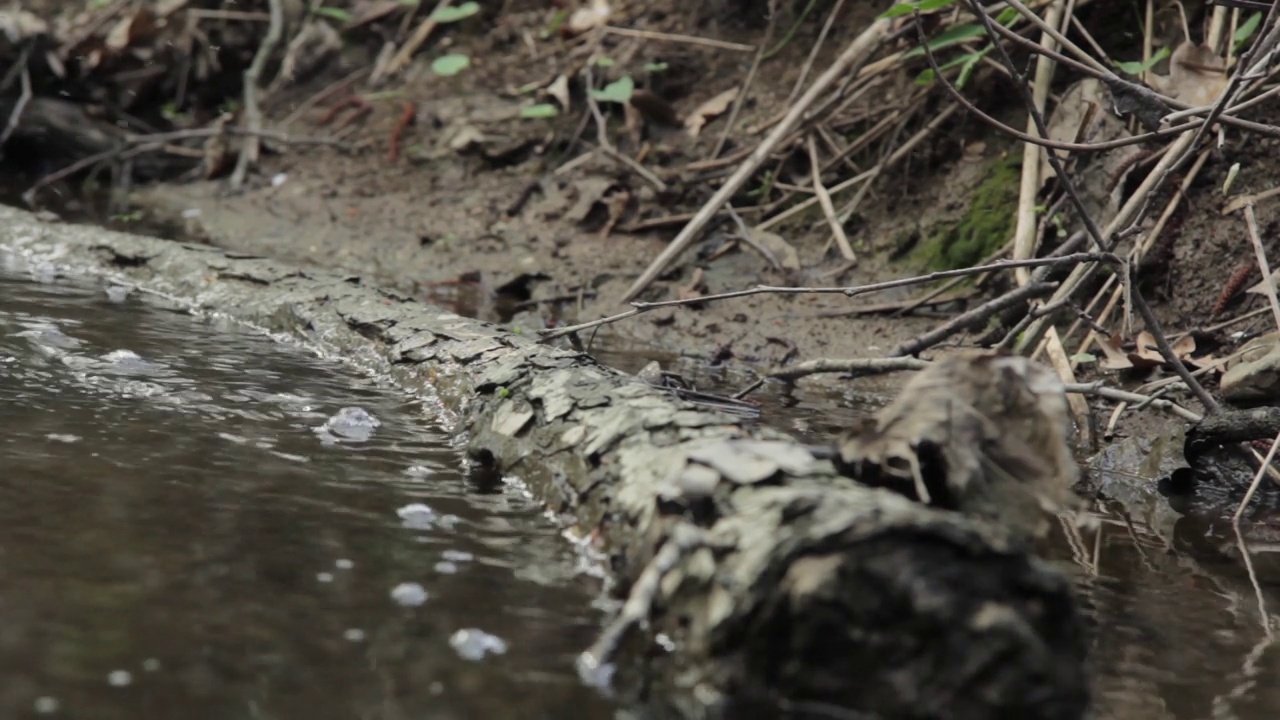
x=198, y=522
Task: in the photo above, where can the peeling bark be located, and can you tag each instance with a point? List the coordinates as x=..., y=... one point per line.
x=773, y=575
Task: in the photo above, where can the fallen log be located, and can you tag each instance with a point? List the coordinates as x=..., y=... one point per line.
x=770, y=575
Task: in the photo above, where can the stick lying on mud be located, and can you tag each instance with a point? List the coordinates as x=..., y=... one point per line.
x=770, y=572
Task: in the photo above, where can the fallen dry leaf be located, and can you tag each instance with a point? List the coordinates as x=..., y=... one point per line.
x=1116, y=359
x=786, y=255
x=1197, y=75
x=709, y=110
x=559, y=89
x=587, y=18
x=696, y=287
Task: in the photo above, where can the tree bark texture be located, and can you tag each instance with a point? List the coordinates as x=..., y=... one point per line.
x=770, y=574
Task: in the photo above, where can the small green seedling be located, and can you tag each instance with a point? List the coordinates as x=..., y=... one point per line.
x=619, y=91
x=450, y=65
x=1138, y=67
x=541, y=110
x=334, y=13
x=923, y=6
x=454, y=14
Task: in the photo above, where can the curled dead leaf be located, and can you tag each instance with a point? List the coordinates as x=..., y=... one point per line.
x=709, y=110
x=588, y=18
x=1197, y=75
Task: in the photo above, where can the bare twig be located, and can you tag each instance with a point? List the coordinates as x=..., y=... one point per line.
x=420, y=35
x=1257, y=480
x=856, y=367
x=828, y=209
x=849, y=62
x=849, y=291
x=20, y=106
x=253, y=115
x=1268, y=284
x=1166, y=351
x=672, y=37
x=976, y=316
x=1102, y=391
x=606, y=146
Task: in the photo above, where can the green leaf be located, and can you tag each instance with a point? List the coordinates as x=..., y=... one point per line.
x=454, y=14
x=907, y=8
x=410, y=3
x=970, y=63
x=618, y=91
x=1246, y=31
x=334, y=13
x=541, y=110
x=1138, y=67
x=1084, y=358
x=450, y=65
x=1007, y=16
x=604, y=61
x=926, y=76
x=655, y=67
x=951, y=36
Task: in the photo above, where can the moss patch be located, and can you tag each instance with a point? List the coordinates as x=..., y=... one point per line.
x=985, y=226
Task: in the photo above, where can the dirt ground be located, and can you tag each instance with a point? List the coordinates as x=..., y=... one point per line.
x=525, y=220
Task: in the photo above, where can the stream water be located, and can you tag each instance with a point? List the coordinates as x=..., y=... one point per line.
x=197, y=521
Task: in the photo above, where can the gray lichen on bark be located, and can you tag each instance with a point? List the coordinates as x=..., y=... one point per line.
x=779, y=577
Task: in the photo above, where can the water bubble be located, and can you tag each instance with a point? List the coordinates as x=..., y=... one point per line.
x=343, y=564
x=151, y=665
x=457, y=556
x=117, y=293
x=409, y=594
x=193, y=212
x=63, y=438
x=353, y=635
x=446, y=567
x=119, y=678
x=46, y=705
x=324, y=577
x=474, y=644
x=417, y=516
x=351, y=423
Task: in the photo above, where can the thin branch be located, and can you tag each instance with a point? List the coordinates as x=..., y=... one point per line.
x=1162, y=342
x=828, y=209
x=1099, y=390
x=19, y=107
x=974, y=317
x=251, y=147
x=848, y=291
x=1268, y=283
x=1257, y=480
x=847, y=64
x=855, y=367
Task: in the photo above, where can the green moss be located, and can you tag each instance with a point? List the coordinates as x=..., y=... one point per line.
x=985, y=226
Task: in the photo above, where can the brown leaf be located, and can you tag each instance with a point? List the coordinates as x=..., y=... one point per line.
x=1145, y=354
x=709, y=110
x=1197, y=75
x=1116, y=359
